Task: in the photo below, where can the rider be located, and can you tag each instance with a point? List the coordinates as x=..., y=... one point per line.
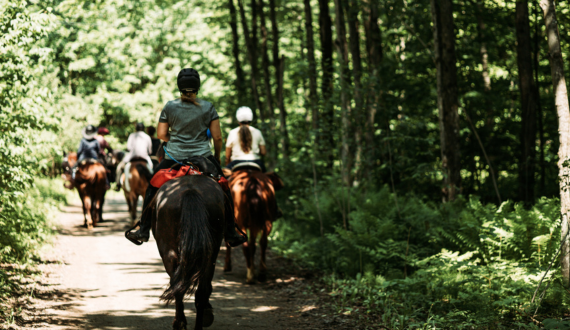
x=101, y=132
x=139, y=145
x=245, y=143
x=155, y=145
x=188, y=118
x=89, y=147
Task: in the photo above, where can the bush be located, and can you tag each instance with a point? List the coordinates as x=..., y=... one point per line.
x=457, y=265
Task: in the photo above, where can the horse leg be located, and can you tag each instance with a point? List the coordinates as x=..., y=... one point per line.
x=228, y=260
x=180, y=319
x=87, y=211
x=204, y=310
x=101, y=208
x=249, y=252
x=95, y=207
x=134, y=209
x=263, y=248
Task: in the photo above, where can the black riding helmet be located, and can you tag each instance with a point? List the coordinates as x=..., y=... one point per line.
x=188, y=80
x=139, y=127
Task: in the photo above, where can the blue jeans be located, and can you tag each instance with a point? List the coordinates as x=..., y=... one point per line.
x=257, y=161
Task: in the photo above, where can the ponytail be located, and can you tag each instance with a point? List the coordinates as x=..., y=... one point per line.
x=189, y=97
x=245, y=138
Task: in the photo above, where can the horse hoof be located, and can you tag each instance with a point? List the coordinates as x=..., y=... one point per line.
x=262, y=277
x=208, y=317
x=227, y=269
x=179, y=325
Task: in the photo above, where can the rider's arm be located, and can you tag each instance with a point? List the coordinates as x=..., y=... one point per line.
x=262, y=150
x=217, y=137
x=228, y=155
x=162, y=132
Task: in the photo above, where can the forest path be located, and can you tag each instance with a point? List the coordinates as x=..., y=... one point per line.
x=106, y=282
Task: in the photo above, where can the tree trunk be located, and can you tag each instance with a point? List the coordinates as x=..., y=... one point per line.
x=528, y=104
x=327, y=83
x=279, y=63
x=358, y=113
x=267, y=82
x=374, y=50
x=537, y=36
x=447, y=102
x=313, y=97
x=561, y=103
x=342, y=48
x=240, y=76
x=484, y=55
x=251, y=55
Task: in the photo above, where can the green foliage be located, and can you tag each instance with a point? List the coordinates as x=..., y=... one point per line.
x=457, y=265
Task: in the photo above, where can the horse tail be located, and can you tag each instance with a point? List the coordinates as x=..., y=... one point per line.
x=196, y=246
x=257, y=205
x=143, y=171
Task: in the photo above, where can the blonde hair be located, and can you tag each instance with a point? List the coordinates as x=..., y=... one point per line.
x=189, y=97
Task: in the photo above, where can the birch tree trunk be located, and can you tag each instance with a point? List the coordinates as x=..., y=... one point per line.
x=561, y=103
x=528, y=104
x=447, y=102
x=313, y=97
x=342, y=48
x=279, y=64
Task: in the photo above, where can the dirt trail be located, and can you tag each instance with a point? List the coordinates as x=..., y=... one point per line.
x=106, y=282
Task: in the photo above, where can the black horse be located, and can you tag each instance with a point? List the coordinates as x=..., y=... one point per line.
x=187, y=222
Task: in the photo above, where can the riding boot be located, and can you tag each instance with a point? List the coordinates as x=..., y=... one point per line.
x=232, y=237
x=143, y=234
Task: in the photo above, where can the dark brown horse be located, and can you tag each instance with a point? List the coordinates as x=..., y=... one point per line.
x=138, y=180
x=255, y=208
x=187, y=222
x=90, y=181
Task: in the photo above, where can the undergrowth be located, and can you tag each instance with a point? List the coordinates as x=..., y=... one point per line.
x=421, y=265
x=25, y=225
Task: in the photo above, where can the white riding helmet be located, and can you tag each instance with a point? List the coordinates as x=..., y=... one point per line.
x=244, y=114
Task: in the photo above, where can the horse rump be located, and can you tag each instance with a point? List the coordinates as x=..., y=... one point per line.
x=143, y=171
x=196, y=246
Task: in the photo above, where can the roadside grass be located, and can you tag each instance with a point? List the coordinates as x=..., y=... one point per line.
x=26, y=225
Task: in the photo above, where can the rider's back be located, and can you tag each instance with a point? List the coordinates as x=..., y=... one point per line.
x=188, y=124
x=256, y=141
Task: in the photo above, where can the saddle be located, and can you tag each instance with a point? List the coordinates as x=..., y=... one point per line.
x=88, y=161
x=193, y=166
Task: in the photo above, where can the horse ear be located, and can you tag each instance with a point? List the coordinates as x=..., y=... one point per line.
x=275, y=180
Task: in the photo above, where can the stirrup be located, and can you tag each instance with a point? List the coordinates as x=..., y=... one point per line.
x=129, y=231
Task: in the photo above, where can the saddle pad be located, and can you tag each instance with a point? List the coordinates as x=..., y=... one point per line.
x=126, y=177
x=167, y=174
x=163, y=176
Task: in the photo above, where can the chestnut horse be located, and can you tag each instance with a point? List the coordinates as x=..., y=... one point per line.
x=187, y=222
x=255, y=208
x=90, y=181
x=138, y=180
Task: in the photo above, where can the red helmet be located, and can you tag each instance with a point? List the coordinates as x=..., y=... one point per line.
x=102, y=131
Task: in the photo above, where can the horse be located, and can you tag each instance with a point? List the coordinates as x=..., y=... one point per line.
x=90, y=181
x=187, y=223
x=255, y=208
x=135, y=184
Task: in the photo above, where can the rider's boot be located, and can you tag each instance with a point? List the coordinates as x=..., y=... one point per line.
x=143, y=233
x=232, y=237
